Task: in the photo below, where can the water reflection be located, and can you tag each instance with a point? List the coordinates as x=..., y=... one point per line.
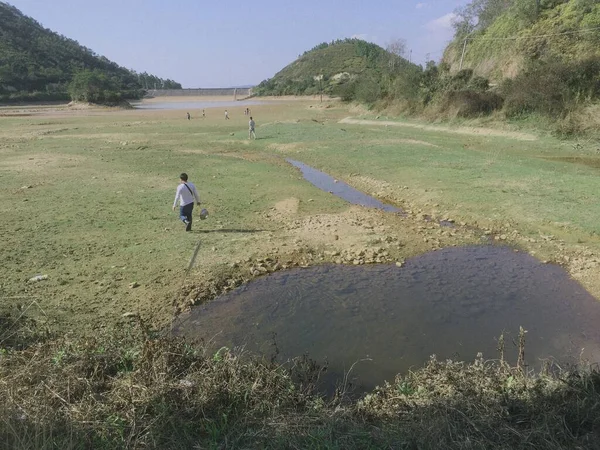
x=339, y=188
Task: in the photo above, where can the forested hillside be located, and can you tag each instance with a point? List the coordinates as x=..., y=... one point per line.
x=39, y=64
x=504, y=37
x=350, y=68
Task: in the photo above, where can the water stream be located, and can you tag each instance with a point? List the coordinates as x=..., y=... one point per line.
x=339, y=188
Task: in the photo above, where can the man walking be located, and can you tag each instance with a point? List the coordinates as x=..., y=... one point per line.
x=186, y=194
x=226, y=115
x=251, y=125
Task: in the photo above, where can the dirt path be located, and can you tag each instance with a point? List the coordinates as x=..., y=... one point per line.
x=473, y=131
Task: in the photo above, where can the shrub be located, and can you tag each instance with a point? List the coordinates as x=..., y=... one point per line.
x=367, y=90
x=346, y=91
x=583, y=79
x=469, y=103
x=463, y=76
x=535, y=91
x=457, y=82
x=553, y=88
x=479, y=84
x=530, y=95
x=406, y=86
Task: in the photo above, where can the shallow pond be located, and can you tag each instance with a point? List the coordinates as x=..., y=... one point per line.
x=453, y=303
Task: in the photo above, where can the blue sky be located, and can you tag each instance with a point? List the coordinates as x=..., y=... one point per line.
x=215, y=43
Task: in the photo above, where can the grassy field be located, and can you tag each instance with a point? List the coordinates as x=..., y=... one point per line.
x=86, y=200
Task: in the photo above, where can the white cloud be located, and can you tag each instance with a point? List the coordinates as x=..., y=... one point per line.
x=438, y=33
x=420, y=5
x=441, y=24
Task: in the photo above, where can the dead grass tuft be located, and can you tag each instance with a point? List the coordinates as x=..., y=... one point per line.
x=133, y=387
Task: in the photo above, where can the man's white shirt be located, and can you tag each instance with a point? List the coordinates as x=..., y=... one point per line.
x=184, y=196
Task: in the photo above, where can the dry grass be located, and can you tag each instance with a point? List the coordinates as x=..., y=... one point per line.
x=469, y=131
x=135, y=388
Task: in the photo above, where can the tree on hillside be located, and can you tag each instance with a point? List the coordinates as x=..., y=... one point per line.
x=397, y=51
x=94, y=86
x=397, y=47
x=480, y=14
x=148, y=81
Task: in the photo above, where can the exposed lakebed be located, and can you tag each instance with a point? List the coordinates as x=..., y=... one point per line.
x=453, y=303
x=195, y=105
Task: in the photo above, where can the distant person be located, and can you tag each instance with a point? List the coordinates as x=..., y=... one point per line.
x=189, y=117
x=251, y=126
x=226, y=115
x=186, y=194
x=203, y=114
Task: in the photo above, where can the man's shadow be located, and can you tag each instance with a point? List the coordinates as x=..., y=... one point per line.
x=228, y=230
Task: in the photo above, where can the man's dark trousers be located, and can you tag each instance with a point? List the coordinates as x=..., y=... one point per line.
x=185, y=214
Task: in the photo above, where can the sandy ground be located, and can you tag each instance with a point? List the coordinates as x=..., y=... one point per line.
x=185, y=99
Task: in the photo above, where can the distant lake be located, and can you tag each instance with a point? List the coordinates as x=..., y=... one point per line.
x=190, y=105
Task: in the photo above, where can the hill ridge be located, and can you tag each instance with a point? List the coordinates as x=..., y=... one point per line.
x=335, y=68
x=567, y=30
x=37, y=63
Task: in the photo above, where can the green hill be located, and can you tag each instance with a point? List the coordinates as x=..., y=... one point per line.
x=39, y=64
x=505, y=37
x=348, y=67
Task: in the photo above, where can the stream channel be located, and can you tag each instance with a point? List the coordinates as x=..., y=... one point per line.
x=453, y=303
